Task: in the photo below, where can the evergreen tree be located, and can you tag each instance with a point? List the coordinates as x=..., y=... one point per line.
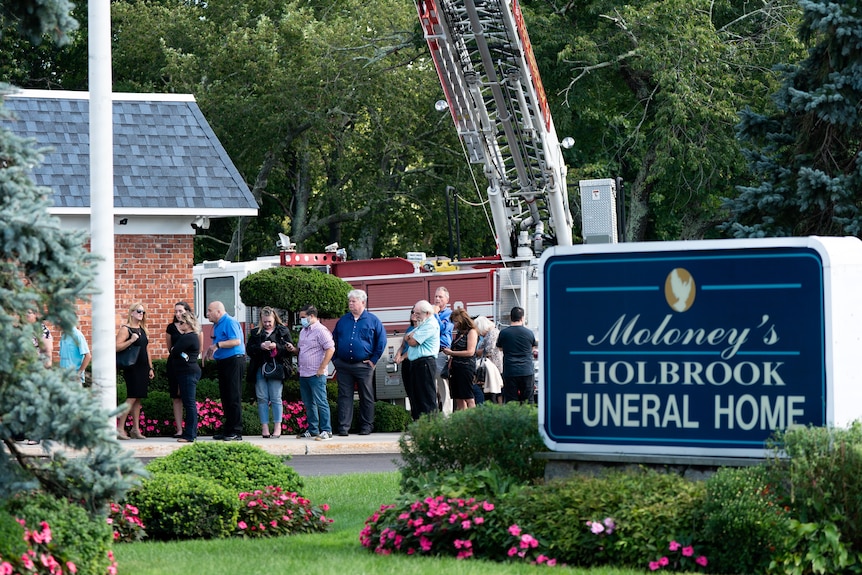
x=46, y=269
x=807, y=152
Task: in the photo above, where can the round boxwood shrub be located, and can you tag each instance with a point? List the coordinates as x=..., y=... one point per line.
x=235, y=465
x=83, y=539
x=290, y=288
x=504, y=437
x=183, y=506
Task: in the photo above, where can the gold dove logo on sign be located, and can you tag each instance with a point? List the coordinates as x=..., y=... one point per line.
x=679, y=290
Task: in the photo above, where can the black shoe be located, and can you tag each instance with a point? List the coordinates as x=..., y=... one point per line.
x=342, y=434
x=365, y=432
x=218, y=437
x=233, y=437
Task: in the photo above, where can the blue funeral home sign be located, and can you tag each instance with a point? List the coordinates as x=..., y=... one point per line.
x=698, y=348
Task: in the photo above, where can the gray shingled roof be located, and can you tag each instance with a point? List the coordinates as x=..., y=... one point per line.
x=166, y=156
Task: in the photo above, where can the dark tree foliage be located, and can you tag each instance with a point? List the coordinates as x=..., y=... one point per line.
x=806, y=152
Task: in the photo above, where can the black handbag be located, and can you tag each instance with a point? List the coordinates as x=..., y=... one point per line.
x=129, y=356
x=444, y=373
x=273, y=369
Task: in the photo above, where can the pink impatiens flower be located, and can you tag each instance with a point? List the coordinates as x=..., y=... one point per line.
x=688, y=551
x=514, y=531
x=701, y=560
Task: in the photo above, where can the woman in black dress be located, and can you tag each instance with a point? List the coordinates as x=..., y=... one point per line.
x=172, y=333
x=137, y=376
x=462, y=357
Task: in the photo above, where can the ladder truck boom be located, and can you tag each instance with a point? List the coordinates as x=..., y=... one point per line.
x=489, y=76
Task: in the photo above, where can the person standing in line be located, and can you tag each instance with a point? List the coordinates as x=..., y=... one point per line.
x=316, y=348
x=462, y=369
x=45, y=347
x=424, y=344
x=493, y=359
x=228, y=351
x=404, y=362
x=518, y=344
x=360, y=340
x=44, y=344
x=441, y=302
x=74, y=352
x=172, y=333
x=138, y=375
x=183, y=362
x=270, y=342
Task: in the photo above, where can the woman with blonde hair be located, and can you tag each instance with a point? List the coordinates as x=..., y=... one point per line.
x=183, y=362
x=138, y=375
x=269, y=344
x=492, y=358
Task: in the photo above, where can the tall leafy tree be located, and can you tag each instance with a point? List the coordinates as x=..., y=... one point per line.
x=807, y=152
x=326, y=108
x=47, y=269
x=651, y=93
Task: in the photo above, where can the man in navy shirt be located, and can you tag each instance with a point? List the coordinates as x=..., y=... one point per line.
x=360, y=340
x=441, y=303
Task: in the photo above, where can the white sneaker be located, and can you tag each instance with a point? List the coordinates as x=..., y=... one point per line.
x=324, y=436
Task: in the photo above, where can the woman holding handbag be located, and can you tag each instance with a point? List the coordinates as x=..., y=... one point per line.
x=269, y=347
x=462, y=359
x=133, y=334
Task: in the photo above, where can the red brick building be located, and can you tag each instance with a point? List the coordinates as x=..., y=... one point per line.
x=171, y=176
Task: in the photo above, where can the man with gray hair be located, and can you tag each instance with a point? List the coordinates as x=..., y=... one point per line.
x=360, y=340
x=424, y=344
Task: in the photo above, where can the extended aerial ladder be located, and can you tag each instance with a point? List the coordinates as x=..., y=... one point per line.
x=494, y=92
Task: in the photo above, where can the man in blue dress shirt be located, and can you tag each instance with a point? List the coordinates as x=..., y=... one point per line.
x=228, y=349
x=360, y=340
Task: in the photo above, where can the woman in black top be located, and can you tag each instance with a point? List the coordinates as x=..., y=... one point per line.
x=462, y=358
x=183, y=363
x=270, y=341
x=172, y=332
x=138, y=375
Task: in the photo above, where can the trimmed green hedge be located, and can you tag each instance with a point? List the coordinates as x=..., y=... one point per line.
x=184, y=506
x=236, y=466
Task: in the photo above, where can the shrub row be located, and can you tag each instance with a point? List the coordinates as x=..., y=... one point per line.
x=796, y=513
x=212, y=490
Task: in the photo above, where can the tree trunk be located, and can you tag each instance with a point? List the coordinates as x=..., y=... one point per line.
x=638, y=216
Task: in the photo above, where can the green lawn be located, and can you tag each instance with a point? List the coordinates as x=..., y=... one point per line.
x=352, y=498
